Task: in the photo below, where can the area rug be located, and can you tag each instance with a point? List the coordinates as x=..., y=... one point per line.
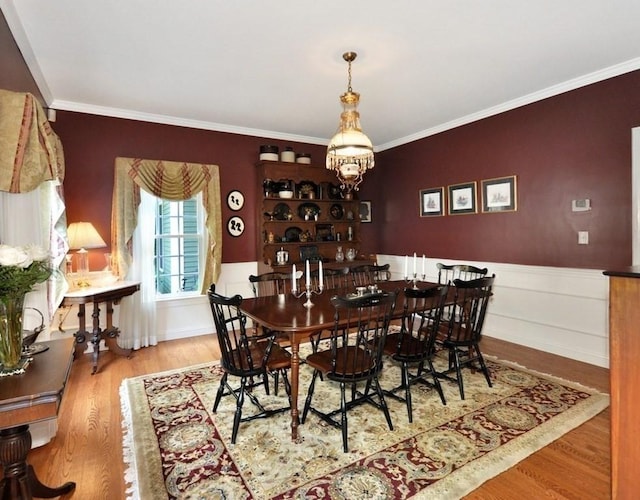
x=175, y=447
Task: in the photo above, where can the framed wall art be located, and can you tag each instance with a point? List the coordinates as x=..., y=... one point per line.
x=499, y=195
x=235, y=200
x=463, y=198
x=432, y=202
x=365, y=211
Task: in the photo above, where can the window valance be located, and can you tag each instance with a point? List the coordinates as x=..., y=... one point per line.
x=169, y=180
x=30, y=151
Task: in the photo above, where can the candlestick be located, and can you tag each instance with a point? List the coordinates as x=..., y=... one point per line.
x=294, y=288
x=406, y=266
x=307, y=274
x=308, y=292
x=320, y=273
x=423, y=265
x=415, y=270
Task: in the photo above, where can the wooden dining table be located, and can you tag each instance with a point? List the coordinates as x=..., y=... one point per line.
x=286, y=313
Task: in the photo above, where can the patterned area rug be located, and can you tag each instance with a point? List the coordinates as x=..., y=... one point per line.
x=176, y=448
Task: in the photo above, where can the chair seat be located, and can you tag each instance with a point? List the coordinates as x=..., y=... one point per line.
x=351, y=362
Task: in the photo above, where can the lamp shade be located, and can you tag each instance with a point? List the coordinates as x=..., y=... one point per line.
x=83, y=235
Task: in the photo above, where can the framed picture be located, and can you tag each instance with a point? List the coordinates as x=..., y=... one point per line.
x=462, y=198
x=365, y=211
x=235, y=200
x=324, y=232
x=432, y=202
x=499, y=195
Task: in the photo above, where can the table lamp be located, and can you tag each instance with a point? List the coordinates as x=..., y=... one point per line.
x=83, y=236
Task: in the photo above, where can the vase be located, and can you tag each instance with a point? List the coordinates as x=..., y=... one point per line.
x=339, y=255
x=11, y=331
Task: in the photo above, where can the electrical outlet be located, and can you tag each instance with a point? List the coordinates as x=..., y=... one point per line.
x=583, y=237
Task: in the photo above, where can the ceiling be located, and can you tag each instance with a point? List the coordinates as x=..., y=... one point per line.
x=275, y=69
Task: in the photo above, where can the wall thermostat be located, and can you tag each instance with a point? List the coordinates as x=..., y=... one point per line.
x=582, y=205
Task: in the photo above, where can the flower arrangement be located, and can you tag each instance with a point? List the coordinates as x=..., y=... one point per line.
x=21, y=268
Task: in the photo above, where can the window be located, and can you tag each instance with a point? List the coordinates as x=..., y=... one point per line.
x=179, y=246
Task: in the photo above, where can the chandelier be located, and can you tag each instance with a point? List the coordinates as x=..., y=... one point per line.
x=350, y=152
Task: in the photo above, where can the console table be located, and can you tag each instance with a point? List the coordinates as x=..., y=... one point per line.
x=110, y=295
x=25, y=399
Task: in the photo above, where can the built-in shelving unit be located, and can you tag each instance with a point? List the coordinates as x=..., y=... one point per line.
x=314, y=222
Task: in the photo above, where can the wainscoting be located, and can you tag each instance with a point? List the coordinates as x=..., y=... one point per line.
x=557, y=310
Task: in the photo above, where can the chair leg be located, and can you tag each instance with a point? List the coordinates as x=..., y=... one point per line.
x=343, y=415
x=407, y=390
x=436, y=382
x=238, y=413
x=456, y=362
x=220, y=392
x=307, y=403
x=383, y=403
x=483, y=365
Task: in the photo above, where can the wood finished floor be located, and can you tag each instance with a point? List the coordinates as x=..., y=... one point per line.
x=88, y=446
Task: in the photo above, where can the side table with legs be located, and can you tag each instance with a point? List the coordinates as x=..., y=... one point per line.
x=110, y=295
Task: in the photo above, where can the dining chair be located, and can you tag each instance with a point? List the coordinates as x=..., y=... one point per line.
x=449, y=272
x=353, y=356
x=462, y=332
x=266, y=285
x=361, y=275
x=246, y=359
x=380, y=273
x=334, y=279
x=415, y=343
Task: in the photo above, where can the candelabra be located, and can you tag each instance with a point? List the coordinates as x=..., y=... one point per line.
x=307, y=292
x=415, y=279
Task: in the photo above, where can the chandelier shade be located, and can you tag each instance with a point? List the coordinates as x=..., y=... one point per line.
x=350, y=151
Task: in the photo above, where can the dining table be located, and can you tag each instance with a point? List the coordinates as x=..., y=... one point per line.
x=287, y=313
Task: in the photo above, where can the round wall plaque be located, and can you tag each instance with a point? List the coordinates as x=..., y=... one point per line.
x=235, y=226
x=235, y=200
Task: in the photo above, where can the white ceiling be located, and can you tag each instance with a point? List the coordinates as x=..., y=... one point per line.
x=274, y=68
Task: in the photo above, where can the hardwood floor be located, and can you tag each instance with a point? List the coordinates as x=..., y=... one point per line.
x=88, y=446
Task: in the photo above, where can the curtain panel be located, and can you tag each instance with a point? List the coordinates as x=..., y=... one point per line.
x=172, y=181
x=30, y=151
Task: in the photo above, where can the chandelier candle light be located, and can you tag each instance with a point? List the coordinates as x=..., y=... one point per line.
x=350, y=151
x=414, y=277
x=308, y=291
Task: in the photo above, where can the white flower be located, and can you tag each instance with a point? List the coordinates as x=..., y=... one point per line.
x=14, y=256
x=36, y=252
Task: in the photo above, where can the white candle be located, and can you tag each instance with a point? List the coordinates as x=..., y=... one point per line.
x=321, y=277
x=293, y=279
x=415, y=271
x=406, y=266
x=308, y=274
x=423, y=265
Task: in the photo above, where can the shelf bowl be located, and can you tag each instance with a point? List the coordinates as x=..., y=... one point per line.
x=286, y=194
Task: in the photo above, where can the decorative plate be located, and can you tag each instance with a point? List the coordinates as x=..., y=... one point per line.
x=235, y=200
x=235, y=226
x=293, y=233
x=334, y=192
x=307, y=189
x=336, y=211
x=308, y=209
x=282, y=212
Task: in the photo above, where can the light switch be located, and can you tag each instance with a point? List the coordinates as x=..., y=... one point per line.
x=583, y=237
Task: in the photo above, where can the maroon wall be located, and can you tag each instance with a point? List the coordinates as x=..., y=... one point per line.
x=575, y=145
x=92, y=143
x=14, y=72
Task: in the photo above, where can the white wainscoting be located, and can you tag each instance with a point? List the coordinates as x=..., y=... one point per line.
x=558, y=310
x=563, y=311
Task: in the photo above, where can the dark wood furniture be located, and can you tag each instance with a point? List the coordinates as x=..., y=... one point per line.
x=624, y=370
x=244, y=357
x=110, y=295
x=353, y=355
x=462, y=330
x=312, y=186
x=415, y=343
x=287, y=314
x=25, y=399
